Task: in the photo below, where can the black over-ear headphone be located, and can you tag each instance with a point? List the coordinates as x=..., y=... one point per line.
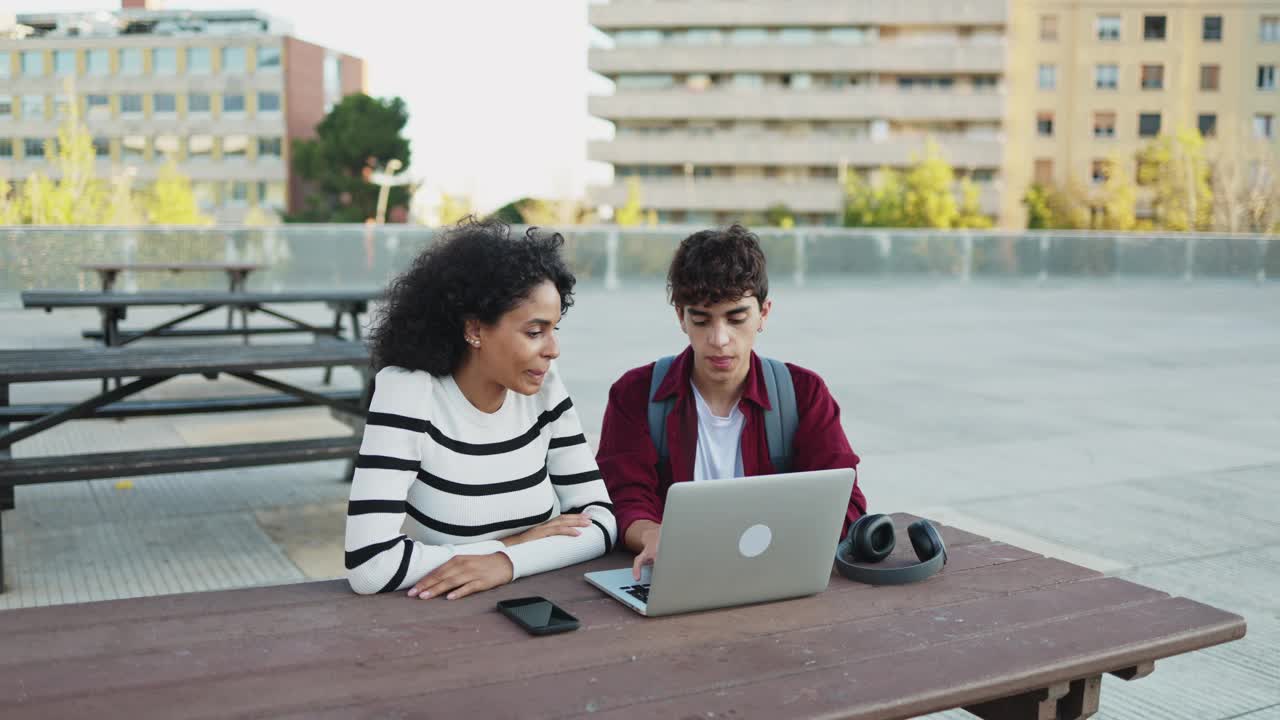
x=871, y=540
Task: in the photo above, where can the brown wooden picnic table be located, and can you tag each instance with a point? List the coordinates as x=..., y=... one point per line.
x=1001, y=631
x=237, y=272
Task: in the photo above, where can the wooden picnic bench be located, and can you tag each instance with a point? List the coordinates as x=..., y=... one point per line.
x=1001, y=632
x=237, y=274
x=113, y=307
x=150, y=366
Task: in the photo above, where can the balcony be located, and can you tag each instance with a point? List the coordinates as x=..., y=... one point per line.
x=719, y=13
x=847, y=104
x=886, y=56
x=778, y=149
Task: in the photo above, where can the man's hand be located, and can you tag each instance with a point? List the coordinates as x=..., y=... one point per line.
x=647, y=538
x=559, y=525
x=463, y=575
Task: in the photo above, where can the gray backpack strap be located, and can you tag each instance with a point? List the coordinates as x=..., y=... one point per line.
x=781, y=420
x=659, y=409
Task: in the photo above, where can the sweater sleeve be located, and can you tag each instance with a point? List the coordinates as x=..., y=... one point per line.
x=579, y=488
x=379, y=557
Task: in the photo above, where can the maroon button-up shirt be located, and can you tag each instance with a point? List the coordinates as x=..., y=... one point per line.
x=638, y=483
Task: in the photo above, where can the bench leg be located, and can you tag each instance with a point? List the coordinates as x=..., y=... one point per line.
x=337, y=333
x=1075, y=700
x=6, y=492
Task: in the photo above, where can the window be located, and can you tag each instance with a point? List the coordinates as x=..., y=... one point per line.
x=1108, y=27
x=1209, y=75
x=6, y=148
x=269, y=147
x=1152, y=77
x=6, y=106
x=799, y=81
x=1098, y=171
x=268, y=102
x=199, y=148
x=101, y=147
x=97, y=106
x=1266, y=77
x=97, y=62
x=32, y=63
x=748, y=36
x=233, y=60
x=1264, y=125
x=130, y=104
x=1153, y=27
x=637, y=38
x=197, y=103
x=198, y=61
x=61, y=106
x=131, y=61
x=983, y=83
x=164, y=103
x=982, y=175
x=1211, y=31
x=235, y=146
x=796, y=36
x=698, y=82
x=164, y=61
x=166, y=146
x=64, y=63
x=1106, y=77
x=1048, y=76
x=1207, y=124
x=232, y=104
x=239, y=194
x=33, y=147
x=1269, y=29
x=271, y=194
x=624, y=82
x=1148, y=124
x=747, y=81
x=849, y=35
x=1044, y=124
x=1104, y=124
x=33, y=107
x=133, y=146
x=268, y=57
x=1049, y=28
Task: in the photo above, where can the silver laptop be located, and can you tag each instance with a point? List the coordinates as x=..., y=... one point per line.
x=733, y=542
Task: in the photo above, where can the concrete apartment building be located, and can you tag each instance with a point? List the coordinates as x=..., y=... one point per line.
x=1104, y=78
x=223, y=92
x=726, y=107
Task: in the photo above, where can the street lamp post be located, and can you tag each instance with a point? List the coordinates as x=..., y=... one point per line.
x=385, y=180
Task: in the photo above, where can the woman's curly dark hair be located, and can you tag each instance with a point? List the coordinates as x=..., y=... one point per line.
x=476, y=269
x=712, y=266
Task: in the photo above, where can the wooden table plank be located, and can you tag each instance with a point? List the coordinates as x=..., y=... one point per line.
x=50, y=299
x=97, y=362
x=413, y=652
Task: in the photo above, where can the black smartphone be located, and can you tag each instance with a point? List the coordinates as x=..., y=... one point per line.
x=538, y=615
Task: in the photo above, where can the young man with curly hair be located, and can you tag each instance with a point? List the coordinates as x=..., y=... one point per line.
x=718, y=285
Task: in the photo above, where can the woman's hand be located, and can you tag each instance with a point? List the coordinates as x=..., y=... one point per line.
x=463, y=575
x=559, y=525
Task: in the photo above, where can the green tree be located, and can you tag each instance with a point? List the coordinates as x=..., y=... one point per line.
x=631, y=213
x=169, y=200
x=453, y=208
x=10, y=207
x=358, y=137
x=779, y=215
x=1178, y=172
x=1119, y=198
x=970, y=214
x=76, y=197
x=122, y=204
x=929, y=201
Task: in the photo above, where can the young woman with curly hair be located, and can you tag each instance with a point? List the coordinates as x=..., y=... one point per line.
x=718, y=285
x=470, y=431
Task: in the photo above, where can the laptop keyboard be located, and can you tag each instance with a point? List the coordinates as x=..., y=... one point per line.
x=639, y=592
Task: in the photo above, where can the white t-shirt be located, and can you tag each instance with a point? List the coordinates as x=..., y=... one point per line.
x=719, y=453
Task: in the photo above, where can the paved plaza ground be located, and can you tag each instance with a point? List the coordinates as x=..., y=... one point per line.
x=1129, y=426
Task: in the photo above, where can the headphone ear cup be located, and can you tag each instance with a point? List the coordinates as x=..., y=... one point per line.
x=872, y=538
x=926, y=540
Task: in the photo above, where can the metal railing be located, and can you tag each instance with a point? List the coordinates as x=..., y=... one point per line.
x=353, y=256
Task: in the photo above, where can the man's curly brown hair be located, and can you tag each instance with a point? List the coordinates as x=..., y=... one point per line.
x=713, y=266
x=474, y=270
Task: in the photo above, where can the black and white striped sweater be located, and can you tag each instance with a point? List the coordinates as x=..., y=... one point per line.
x=465, y=479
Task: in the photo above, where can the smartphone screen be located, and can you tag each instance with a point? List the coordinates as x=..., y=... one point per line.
x=538, y=615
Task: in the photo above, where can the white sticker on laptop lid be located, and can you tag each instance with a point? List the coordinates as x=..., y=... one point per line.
x=755, y=540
